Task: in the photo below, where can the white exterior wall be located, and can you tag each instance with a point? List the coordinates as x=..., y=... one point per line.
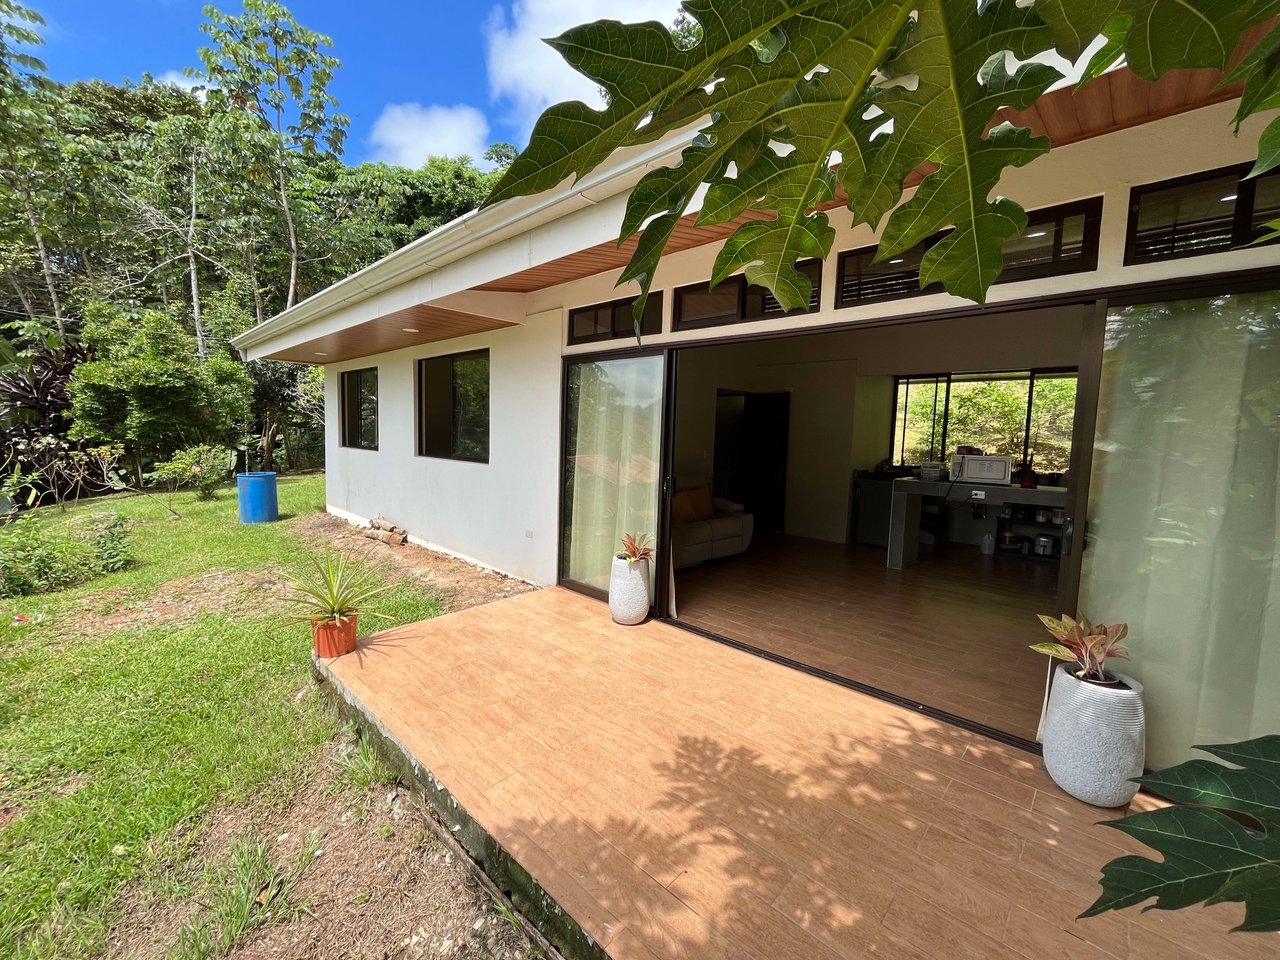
x=501, y=514
x=504, y=514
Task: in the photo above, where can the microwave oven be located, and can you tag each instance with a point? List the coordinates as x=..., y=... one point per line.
x=970, y=469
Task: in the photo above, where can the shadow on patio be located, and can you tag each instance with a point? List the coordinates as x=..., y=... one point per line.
x=681, y=799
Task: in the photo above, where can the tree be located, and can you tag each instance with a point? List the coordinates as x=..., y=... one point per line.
x=143, y=387
x=893, y=87
x=28, y=144
x=266, y=63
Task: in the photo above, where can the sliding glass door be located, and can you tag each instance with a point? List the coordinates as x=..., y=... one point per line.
x=1183, y=511
x=612, y=468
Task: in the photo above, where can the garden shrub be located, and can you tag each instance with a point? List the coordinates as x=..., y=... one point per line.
x=36, y=557
x=205, y=467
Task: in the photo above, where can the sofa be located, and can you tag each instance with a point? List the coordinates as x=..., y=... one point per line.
x=704, y=527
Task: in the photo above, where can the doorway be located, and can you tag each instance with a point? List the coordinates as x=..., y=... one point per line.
x=788, y=554
x=750, y=458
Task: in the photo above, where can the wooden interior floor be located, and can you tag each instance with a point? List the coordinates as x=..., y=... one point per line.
x=683, y=799
x=951, y=631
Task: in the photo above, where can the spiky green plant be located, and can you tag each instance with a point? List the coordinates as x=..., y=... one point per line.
x=335, y=590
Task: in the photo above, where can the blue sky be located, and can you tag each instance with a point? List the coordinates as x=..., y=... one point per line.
x=418, y=78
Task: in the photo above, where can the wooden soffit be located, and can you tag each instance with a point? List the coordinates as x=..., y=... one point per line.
x=1115, y=101
x=409, y=327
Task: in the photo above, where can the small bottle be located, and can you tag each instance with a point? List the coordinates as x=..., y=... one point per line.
x=988, y=544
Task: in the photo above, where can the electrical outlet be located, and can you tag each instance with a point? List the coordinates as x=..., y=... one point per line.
x=977, y=494
x=528, y=534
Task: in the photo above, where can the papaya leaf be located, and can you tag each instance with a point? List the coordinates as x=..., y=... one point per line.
x=800, y=105
x=1208, y=856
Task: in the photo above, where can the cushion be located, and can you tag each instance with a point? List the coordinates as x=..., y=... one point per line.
x=700, y=500
x=682, y=509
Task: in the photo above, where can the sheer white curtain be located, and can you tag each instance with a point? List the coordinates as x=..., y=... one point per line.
x=614, y=460
x=1183, y=514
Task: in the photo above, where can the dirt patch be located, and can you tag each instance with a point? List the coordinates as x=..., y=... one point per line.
x=459, y=584
x=379, y=886
x=179, y=602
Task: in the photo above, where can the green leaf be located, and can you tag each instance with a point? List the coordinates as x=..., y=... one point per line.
x=799, y=101
x=1056, y=650
x=1208, y=856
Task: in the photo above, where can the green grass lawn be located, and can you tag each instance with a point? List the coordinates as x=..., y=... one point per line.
x=114, y=742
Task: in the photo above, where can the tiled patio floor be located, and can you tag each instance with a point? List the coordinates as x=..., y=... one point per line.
x=682, y=799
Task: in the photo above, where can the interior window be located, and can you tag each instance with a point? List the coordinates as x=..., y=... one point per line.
x=359, y=426
x=1026, y=415
x=453, y=406
x=918, y=422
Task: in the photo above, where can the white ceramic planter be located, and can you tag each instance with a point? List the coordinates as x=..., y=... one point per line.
x=1095, y=738
x=629, y=591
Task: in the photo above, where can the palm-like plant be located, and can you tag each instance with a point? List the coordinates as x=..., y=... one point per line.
x=335, y=590
x=1090, y=645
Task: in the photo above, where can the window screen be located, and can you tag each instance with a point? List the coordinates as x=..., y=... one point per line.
x=453, y=406
x=359, y=425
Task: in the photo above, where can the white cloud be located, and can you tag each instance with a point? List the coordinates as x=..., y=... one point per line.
x=178, y=79
x=408, y=133
x=526, y=74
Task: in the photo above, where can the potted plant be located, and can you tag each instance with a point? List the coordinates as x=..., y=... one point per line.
x=629, y=580
x=332, y=595
x=1094, y=727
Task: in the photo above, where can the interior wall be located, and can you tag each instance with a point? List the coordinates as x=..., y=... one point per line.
x=842, y=396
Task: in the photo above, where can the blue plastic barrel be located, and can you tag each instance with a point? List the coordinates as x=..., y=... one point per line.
x=257, y=492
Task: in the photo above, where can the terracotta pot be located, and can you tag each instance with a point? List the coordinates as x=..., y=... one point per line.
x=333, y=638
x=629, y=591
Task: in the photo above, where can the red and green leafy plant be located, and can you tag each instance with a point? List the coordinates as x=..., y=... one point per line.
x=1089, y=645
x=636, y=547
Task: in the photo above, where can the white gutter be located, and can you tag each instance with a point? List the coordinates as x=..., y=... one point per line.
x=455, y=239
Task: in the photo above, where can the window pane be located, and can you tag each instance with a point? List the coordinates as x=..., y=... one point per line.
x=613, y=450
x=988, y=412
x=589, y=323
x=368, y=381
x=1266, y=201
x=698, y=305
x=918, y=424
x=1053, y=411
x=471, y=407
x=1188, y=219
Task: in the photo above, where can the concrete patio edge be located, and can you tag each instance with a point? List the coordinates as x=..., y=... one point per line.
x=488, y=860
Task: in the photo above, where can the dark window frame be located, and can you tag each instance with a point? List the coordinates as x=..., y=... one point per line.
x=743, y=289
x=947, y=379
x=347, y=381
x=425, y=445
x=647, y=328
x=1086, y=262
x=1242, y=230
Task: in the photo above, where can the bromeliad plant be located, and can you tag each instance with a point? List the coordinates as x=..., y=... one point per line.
x=1088, y=645
x=635, y=548
x=331, y=597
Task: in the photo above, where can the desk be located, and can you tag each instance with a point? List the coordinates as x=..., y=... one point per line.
x=904, y=510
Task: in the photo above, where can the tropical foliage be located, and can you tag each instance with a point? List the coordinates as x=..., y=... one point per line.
x=802, y=105
x=1220, y=844
x=143, y=225
x=1088, y=645
x=335, y=589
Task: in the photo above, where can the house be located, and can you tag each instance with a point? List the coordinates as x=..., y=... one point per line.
x=485, y=390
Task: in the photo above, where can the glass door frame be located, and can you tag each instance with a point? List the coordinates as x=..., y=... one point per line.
x=660, y=564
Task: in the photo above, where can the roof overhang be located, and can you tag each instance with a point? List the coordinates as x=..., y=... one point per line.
x=471, y=275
